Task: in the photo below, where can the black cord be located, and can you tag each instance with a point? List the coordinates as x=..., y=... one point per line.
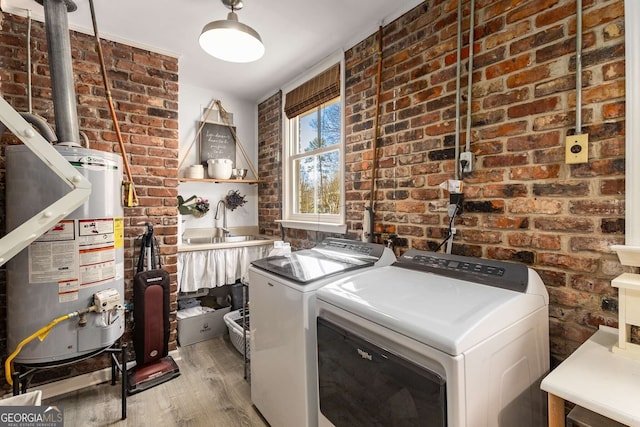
x=463, y=164
x=449, y=234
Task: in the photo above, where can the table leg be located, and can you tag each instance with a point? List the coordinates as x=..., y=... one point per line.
x=556, y=411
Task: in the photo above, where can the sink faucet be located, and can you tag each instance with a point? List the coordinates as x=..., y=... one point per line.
x=222, y=208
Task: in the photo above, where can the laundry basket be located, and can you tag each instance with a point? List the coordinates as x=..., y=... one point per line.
x=233, y=319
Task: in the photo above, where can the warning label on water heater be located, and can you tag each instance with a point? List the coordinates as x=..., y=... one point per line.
x=96, y=239
x=54, y=255
x=74, y=253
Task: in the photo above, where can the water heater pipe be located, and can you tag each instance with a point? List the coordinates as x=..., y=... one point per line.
x=130, y=196
x=29, y=88
x=62, y=81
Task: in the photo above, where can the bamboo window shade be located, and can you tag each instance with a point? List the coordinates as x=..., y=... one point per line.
x=322, y=88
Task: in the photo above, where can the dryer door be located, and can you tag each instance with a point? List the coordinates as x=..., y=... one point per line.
x=361, y=384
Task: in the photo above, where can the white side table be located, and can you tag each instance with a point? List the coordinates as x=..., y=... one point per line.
x=597, y=379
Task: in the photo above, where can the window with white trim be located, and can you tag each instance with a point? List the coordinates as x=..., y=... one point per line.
x=314, y=154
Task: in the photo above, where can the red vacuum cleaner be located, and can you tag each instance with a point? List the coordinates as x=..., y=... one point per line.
x=151, y=320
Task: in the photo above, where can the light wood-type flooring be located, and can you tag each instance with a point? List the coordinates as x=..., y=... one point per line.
x=210, y=391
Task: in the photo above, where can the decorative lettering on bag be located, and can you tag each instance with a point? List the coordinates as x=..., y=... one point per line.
x=365, y=355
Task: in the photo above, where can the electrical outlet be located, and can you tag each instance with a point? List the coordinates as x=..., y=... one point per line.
x=467, y=157
x=577, y=149
x=609, y=304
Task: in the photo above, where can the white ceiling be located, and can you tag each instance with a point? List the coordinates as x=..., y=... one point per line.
x=297, y=34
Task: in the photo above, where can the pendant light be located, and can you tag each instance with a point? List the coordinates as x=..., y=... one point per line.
x=231, y=40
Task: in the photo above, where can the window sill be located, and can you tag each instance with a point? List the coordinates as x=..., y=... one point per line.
x=315, y=226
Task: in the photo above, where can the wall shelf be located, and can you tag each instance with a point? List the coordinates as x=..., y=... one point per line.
x=232, y=181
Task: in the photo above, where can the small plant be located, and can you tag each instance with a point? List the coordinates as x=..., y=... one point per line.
x=234, y=199
x=194, y=205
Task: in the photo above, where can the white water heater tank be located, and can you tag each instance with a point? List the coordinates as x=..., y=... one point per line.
x=60, y=272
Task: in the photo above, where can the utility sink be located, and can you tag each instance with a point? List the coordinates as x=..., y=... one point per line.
x=195, y=240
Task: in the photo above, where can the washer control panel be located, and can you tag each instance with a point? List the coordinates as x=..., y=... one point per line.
x=501, y=274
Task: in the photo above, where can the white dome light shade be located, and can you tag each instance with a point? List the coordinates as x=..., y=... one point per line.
x=231, y=40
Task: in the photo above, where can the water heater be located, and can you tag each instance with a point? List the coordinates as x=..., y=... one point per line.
x=78, y=260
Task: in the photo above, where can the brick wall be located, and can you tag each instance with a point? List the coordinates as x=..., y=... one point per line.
x=269, y=164
x=522, y=202
x=145, y=92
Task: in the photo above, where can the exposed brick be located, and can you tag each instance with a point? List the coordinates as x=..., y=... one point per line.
x=597, y=207
x=478, y=236
x=613, y=110
x=609, y=167
x=526, y=257
x=612, y=226
x=536, y=40
x=573, y=263
x=560, y=84
x=556, y=50
x=535, y=208
x=562, y=190
x=612, y=187
x=536, y=241
x=511, y=97
x=505, y=190
x=552, y=277
x=510, y=159
x=613, y=71
x=594, y=244
x=535, y=107
x=534, y=141
x=505, y=222
x=566, y=224
x=529, y=9
x=604, y=92
x=495, y=206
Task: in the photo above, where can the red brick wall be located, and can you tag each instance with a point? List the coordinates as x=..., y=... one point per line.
x=269, y=164
x=145, y=92
x=522, y=202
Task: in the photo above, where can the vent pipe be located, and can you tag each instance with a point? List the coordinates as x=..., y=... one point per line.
x=62, y=82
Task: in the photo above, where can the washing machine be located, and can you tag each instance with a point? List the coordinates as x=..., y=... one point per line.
x=283, y=324
x=433, y=340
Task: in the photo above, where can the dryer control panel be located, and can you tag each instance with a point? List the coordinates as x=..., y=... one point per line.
x=501, y=274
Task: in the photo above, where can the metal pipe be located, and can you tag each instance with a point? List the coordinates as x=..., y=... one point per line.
x=457, y=149
x=578, y=67
x=29, y=89
x=42, y=125
x=374, y=146
x=62, y=84
x=470, y=78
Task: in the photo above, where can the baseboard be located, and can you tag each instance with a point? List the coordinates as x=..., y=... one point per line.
x=68, y=385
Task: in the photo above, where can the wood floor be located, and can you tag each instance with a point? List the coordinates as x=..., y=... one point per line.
x=210, y=391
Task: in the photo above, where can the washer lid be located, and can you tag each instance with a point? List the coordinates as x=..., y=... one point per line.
x=445, y=313
x=331, y=256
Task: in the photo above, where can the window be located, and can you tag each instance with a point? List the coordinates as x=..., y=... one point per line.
x=313, y=154
x=315, y=160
